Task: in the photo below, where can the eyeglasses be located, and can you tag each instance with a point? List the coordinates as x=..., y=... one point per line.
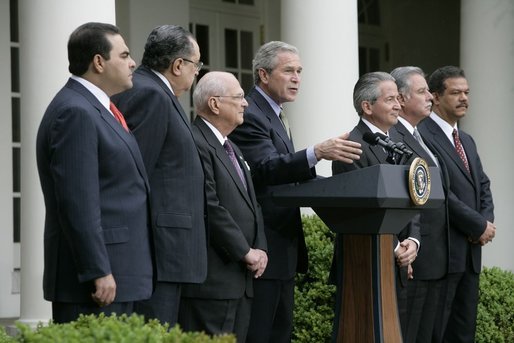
x=198, y=65
x=239, y=97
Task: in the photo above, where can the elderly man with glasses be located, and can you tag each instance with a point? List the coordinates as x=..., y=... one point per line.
x=171, y=61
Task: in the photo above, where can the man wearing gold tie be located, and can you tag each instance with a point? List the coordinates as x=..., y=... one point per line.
x=264, y=138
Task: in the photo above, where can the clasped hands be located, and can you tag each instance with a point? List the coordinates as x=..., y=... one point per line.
x=256, y=260
x=406, y=254
x=487, y=236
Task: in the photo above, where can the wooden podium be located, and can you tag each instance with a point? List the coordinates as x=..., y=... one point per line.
x=368, y=206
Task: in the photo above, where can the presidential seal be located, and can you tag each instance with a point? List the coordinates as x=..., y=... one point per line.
x=419, y=181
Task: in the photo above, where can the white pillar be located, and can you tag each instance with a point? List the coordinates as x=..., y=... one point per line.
x=487, y=57
x=326, y=33
x=45, y=27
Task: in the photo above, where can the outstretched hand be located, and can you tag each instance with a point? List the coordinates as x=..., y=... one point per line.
x=338, y=149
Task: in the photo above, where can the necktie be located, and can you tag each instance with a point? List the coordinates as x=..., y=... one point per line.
x=231, y=154
x=459, y=148
x=119, y=117
x=417, y=136
x=285, y=123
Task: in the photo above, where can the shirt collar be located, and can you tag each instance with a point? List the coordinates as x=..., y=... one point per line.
x=276, y=107
x=164, y=79
x=373, y=128
x=99, y=94
x=443, y=124
x=216, y=132
x=407, y=125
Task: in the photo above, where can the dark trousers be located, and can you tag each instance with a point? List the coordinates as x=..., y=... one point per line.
x=458, y=314
x=67, y=312
x=163, y=305
x=272, y=311
x=422, y=307
x=215, y=316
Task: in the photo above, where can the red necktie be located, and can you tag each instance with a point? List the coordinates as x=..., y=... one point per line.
x=460, y=149
x=119, y=117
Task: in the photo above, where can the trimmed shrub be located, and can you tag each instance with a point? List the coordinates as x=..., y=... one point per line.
x=4, y=337
x=314, y=297
x=495, y=322
x=113, y=329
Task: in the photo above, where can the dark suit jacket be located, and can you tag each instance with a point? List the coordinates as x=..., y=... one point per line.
x=372, y=155
x=470, y=200
x=163, y=132
x=273, y=161
x=235, y=221
x=432, y=260
x=95, y=189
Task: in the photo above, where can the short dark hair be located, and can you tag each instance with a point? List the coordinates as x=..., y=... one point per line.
x=87, y=41
x=165, y=44
x=436, y=80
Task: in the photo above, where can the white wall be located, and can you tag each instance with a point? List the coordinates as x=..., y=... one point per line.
x=9, y=303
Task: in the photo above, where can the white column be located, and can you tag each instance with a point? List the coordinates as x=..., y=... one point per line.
x=45, y=27
x=326, y=33
x=487, y=57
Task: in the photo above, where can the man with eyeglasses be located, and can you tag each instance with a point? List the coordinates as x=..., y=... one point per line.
x=237, y=243
x=170, y=63
x=264, y=139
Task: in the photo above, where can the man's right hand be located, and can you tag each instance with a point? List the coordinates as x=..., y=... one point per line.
x=105, y=290
x=338, y=148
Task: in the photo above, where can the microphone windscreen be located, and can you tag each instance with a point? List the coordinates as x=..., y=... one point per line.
x=370, y=138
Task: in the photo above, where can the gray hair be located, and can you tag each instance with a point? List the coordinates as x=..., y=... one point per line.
x=266, y=57
x=165, y=44
x=366, y=88
x=402, y=76
x=211, y=84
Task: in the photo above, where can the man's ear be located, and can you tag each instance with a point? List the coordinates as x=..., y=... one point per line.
x=435, y=98
x=366, y=107
x=98, y=64
x=176, y=67
x=263, y=76
x=401, y=99
x=213, y=104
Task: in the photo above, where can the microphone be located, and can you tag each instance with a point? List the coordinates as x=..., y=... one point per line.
x=399, y=145
x=383, y=141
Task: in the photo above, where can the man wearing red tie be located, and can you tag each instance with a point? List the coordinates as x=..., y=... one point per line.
x=96, y=242
x=471, y=209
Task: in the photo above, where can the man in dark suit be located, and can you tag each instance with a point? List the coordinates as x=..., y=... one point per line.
x=264, y=139
x=96, y=243
x=171, y=61
x=237, y=244
x=471, y=209
x=431, y=264
x=375, y=100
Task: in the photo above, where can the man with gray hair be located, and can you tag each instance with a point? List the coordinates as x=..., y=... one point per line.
x=237, y=243
x=170, y=64
x=375, y=98
x=431, y=265
x=265, y=140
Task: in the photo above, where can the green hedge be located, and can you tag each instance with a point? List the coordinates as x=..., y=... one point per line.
x=110, y=329
x=314, y=301
x=313, y=313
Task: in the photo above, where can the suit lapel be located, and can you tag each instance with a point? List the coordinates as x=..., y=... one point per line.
x=276, y=124
x=439, y=139
x=109, y=119
x=412, y=143
x=224, y=160
x=376, y=150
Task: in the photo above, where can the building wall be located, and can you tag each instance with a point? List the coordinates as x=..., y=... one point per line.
x=9, y=302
